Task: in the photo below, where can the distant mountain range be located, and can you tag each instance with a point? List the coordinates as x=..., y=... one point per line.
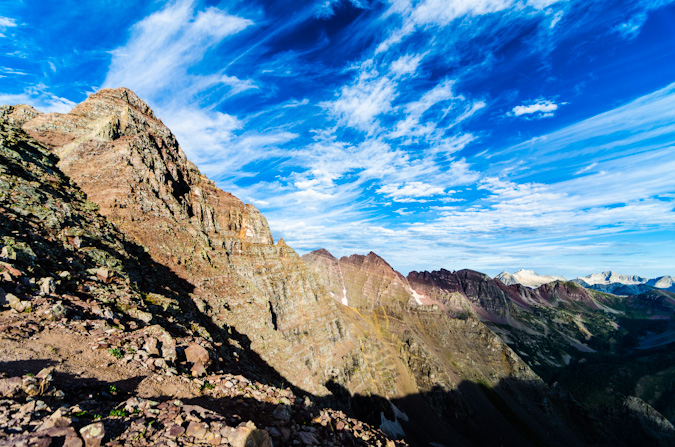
x=527, y=278
x=608, y=282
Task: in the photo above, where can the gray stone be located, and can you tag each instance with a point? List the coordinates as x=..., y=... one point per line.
x=47, y=286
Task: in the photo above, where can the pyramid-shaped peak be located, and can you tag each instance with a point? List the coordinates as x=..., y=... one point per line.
x=323, y=252
x=124, y=95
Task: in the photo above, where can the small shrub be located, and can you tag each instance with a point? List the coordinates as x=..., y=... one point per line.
x=115, y=352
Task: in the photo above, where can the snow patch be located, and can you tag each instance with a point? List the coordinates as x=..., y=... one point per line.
x=393, y=428
x=344, y=299
x=418, y=297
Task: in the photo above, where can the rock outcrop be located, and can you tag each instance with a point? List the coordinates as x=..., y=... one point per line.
x=130, y=165
x=99, y=343
x=453, y=363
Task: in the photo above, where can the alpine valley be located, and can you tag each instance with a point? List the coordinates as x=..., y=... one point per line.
x=142, y=305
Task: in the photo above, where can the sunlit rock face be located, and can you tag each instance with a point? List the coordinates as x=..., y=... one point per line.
x=130, y=164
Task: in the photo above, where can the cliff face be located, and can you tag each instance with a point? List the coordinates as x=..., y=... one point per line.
x=102, y=345
x=131, y=166
x=457, y=367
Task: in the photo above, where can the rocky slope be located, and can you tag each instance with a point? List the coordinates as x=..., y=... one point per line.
x=100, y=344
x=130, y=165
x=560, y=329
x=466, y=375
x=173, y=288
x=594, y=345
x=220, y=254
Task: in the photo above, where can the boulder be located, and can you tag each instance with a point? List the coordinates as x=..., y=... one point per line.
x=93, y=434
x=197, y=354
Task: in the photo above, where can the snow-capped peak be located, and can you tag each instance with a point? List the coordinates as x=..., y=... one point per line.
x=528, y=278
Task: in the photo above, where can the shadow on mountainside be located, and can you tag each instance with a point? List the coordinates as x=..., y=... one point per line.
x=513, y=413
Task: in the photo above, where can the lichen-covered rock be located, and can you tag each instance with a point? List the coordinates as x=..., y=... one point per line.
x=93, y=434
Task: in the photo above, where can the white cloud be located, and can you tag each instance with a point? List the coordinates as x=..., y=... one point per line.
x=406, y=64
x=540, y=109
x=7, y=22
x=358, y=105
x=400, y=192
x=164, y=45
x=39, y=97
x=631, y=28
x=410, y=126
x=587, y=168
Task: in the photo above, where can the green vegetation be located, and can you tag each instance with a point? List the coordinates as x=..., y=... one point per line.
x=116, y=352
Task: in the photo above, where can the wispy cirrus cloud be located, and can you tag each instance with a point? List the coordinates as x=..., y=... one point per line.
x=39, y=97
x=405, y=124
x=157, y=63
x=7, y=22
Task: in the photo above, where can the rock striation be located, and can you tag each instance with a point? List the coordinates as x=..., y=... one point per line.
x=456, y=366
x=101, y=345
x=130, y=165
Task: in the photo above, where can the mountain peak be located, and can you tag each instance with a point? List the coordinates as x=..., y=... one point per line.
x=528, y=278
x=122, y=94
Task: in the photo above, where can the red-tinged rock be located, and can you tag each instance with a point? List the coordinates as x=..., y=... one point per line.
x=11, y=387
x=175, y=431
x=197, y=354
x=198, y=370
x=247, y=435
x=104, y=275
x=214, y=438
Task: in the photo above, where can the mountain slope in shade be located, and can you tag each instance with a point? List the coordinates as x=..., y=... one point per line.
x=130, y=165
x=412, y=354
x=441, y=352
x=69, y=282
x=574, y=336
x=527, y=278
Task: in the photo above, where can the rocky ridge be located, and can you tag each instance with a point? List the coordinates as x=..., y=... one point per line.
x=130, y=165
x=194, y=293
x=101, y=345
x=458, y=365
x=557, y=328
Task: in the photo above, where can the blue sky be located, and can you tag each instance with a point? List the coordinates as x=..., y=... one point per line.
x=480, y=134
